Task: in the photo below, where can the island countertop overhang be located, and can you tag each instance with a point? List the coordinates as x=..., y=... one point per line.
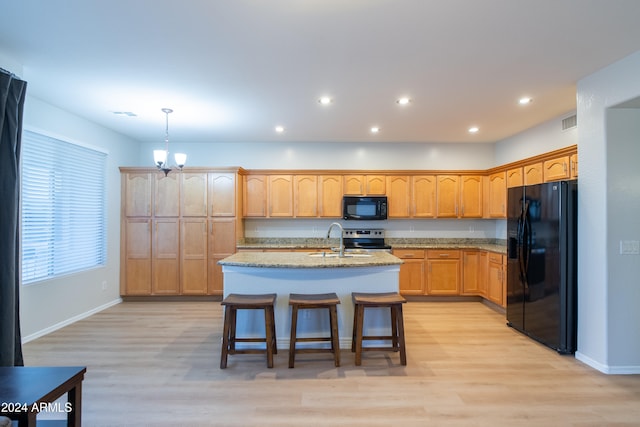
x=305, y=260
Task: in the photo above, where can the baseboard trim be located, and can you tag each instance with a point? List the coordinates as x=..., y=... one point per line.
x=606, y=369
x=69, y=321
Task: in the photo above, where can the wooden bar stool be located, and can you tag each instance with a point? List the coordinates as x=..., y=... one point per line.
x=394, y=302
x=235, y=302
x=314, y=301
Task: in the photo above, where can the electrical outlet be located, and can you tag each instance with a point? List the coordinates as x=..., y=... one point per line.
x=104, y=285
x=629, y=247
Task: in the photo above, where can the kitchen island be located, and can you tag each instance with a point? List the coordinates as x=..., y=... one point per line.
x=283, y=273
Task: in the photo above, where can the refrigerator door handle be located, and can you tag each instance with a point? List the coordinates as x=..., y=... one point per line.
x=525, y=246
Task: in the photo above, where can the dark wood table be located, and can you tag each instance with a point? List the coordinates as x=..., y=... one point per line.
x=26, y=390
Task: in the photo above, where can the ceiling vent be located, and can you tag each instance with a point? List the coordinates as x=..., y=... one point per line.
x=570, y=122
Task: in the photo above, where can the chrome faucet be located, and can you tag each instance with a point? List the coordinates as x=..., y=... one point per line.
x=335, y=224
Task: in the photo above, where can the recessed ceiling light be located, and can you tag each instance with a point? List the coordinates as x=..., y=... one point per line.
x=403, y=101
x=525, y=100
x=375, y=129
x=279, y=129
x=473, y=129
x=325, y=100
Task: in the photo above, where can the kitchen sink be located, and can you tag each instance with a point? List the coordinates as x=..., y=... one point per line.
x=337, y=255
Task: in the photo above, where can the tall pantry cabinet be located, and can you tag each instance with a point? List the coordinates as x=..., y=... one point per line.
x=175, y=229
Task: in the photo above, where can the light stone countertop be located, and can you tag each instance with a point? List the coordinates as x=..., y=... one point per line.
x=304, y=260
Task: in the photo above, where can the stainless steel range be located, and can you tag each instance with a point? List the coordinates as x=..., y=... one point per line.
x=367, y=239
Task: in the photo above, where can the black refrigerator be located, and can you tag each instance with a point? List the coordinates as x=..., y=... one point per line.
x=542, y=263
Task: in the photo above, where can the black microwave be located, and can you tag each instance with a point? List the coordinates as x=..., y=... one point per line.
x=364, y=207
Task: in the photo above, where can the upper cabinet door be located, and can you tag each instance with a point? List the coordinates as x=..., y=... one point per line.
x=363, y=185
x=557, y=169
x=330, y=197
x=376, y=185
x=497, y=195
x=222, y=194
x=167, y=195
x=137, y=194
x=533, y=174
x=305, y=195
x=573, y=162
x=194, y=194
x=448, y=194
x=281, y=195
x=514, y=178
x=354, y=185
x=255, y=195
x=424, y=196
x=471, y=196
x=399, y=196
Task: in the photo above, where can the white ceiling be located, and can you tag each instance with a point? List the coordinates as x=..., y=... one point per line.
x=234, y=69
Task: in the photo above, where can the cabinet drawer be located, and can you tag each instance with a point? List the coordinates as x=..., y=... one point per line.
x=443, y=253
x=409, y=253
x=495, y=257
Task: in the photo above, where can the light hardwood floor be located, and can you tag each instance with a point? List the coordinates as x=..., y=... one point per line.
x=157, y=364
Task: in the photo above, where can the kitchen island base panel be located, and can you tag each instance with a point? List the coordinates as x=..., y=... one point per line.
x=284, y=281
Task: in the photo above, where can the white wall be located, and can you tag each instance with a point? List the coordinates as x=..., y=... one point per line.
x=394, y=156
x=608, y=297
x=396, y=228
x=47, y=305
x=543, y=138
x=623, y=190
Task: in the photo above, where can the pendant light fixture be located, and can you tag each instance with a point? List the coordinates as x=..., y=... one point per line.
x=161, y=157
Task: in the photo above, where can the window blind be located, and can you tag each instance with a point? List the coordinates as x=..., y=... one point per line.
x=63, y=207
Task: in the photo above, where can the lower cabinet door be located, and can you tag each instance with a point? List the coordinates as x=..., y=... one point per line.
x=412, y=277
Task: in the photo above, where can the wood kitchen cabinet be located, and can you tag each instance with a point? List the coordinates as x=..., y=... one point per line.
x=193, y=256
x=514, y=177
x=330, y=196
x=573, y=163
x=497, y=195
x=305, y=195
x=443, y=272
x=166, y=195
x=365, y=185
x=170, y=251
x=411, y=271
x=423, y=198
x=222, y=193
x=255, y=195
x=193, y=194
x=399, y=196
x=221, y=244
x=411, y=196
x=471, y=196
x=496, y=279
x=280, y=196
x=447, y=196
x=557, y=169
x=474, y=270
x=135, y=264
x=533, y=174
x=136, y=194
x=165, y=278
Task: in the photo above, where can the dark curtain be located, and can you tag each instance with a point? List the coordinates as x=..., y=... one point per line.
x=12, y=95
